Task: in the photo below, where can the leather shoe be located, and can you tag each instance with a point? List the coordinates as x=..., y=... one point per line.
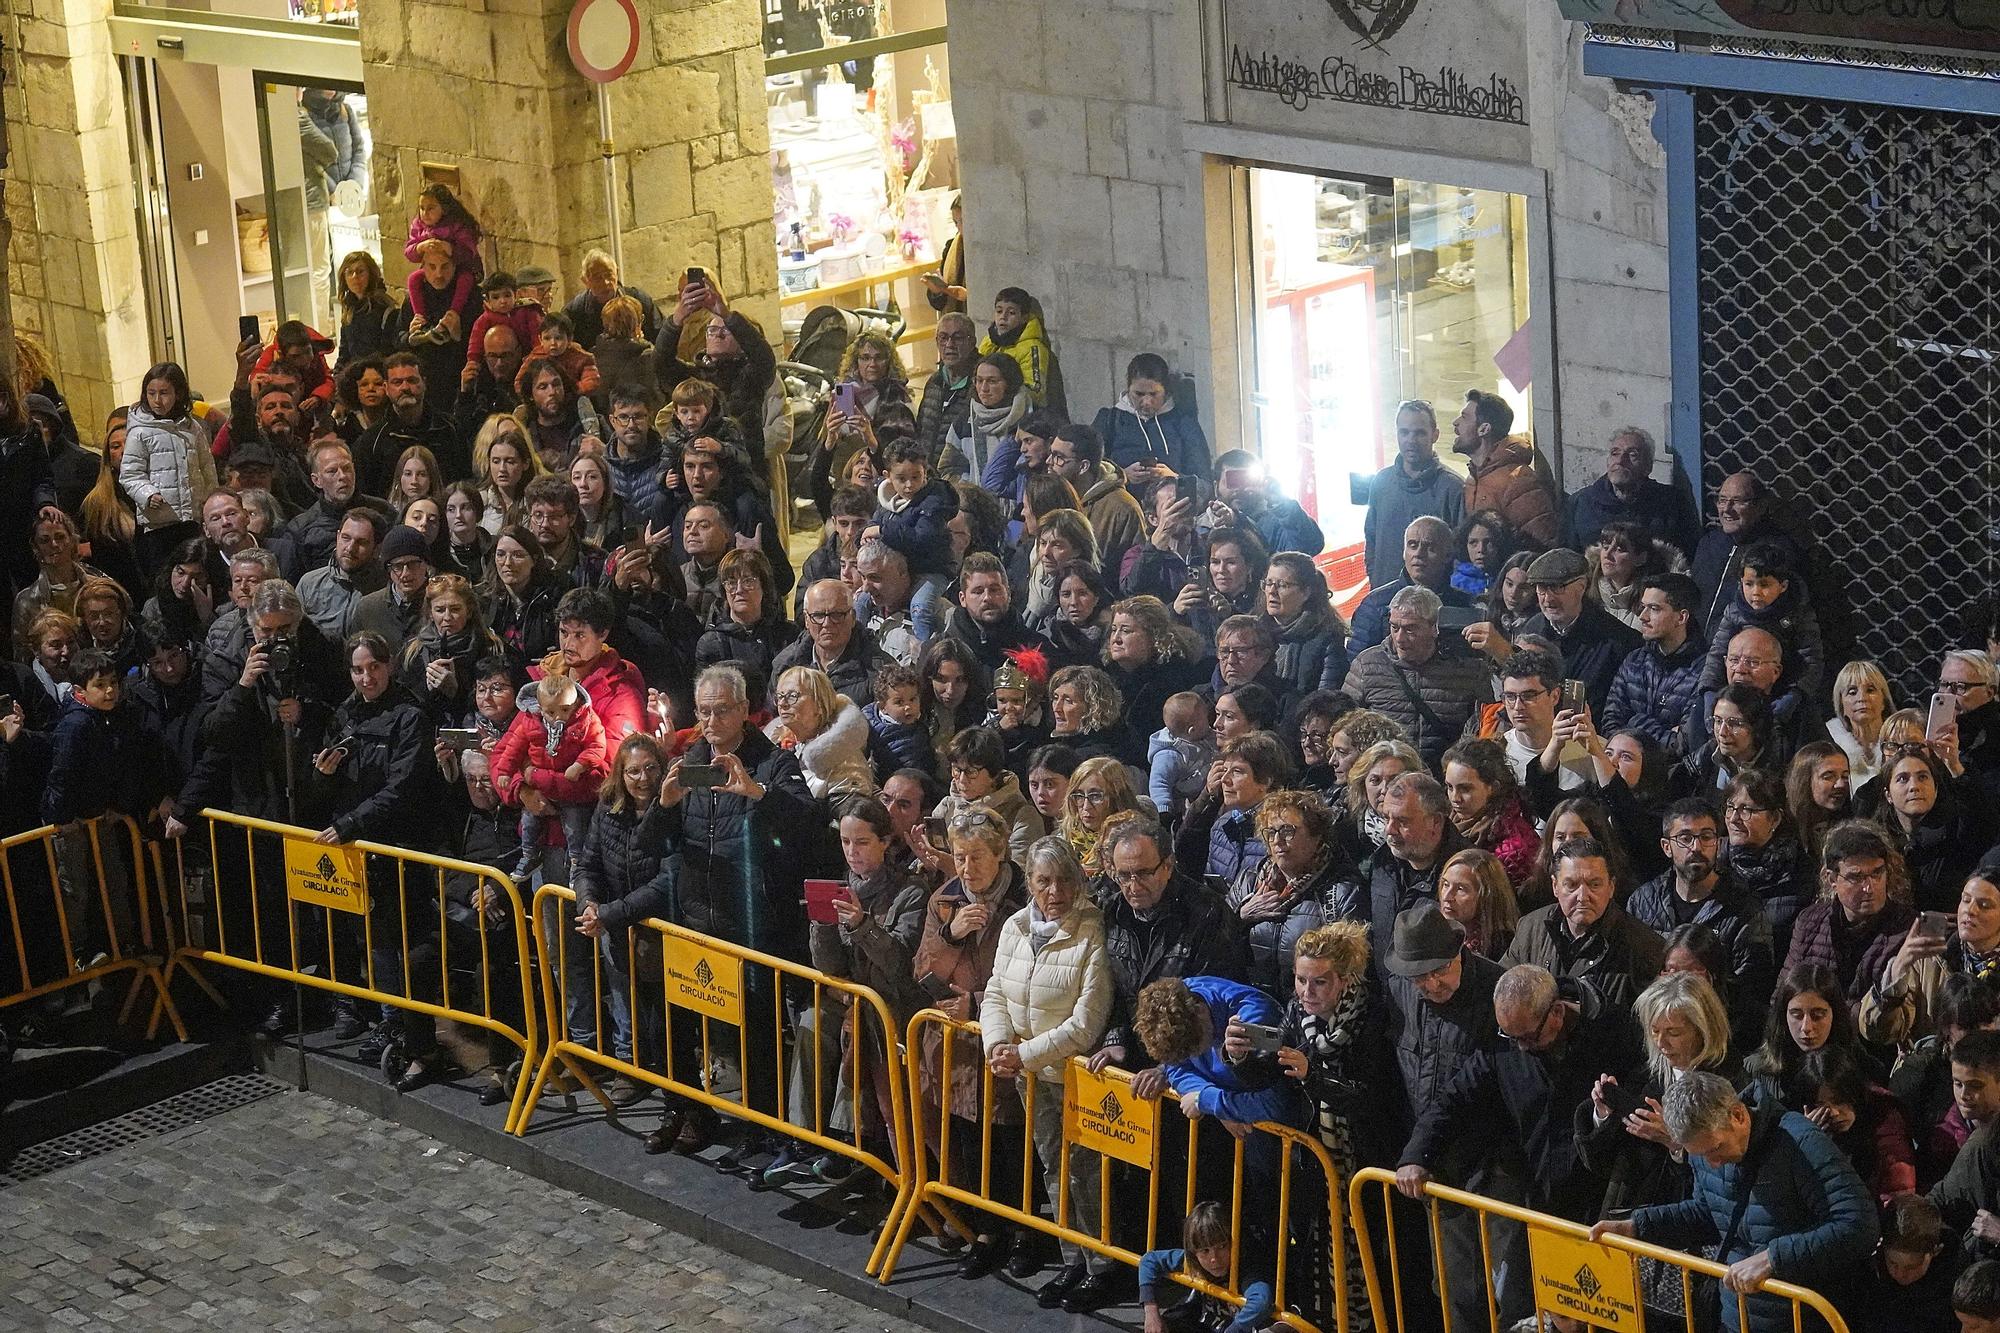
x=1052, y=1292
x=662, y=1139
x=981, y=1258
x=697, y=1131
x=495, y=1091
x=1094, y=1293
x=418, y=1073
x=1024, y=1260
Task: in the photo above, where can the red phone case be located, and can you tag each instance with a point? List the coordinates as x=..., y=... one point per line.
x=820, y=897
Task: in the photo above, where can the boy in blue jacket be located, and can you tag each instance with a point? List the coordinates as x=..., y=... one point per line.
x=917, y=507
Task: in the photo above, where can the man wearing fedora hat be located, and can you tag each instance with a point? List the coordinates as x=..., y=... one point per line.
x=1592, y=641
x=1439, y=1015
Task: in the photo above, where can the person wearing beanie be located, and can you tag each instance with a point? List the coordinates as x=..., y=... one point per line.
x=396, y=610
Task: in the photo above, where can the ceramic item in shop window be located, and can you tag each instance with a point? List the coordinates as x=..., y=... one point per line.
x=797, y=275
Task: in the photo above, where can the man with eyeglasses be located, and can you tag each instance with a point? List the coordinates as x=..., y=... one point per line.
x=1584, y=934
x=1076, y=454
x=1515, y=1105
x=1743, y=515
x=1415, y=486
x=1439, y=1015
x=1657, y=691
x=635, y=455
x=1627, y=493
x=1698, y=888
x=1756, y=658
x=1530, y=693
x=833, y=643
x=1432, y=693
x=1969, y=676
x=947, y=394
x=1858, y=929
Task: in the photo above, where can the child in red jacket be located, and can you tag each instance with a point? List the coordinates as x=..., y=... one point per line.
x=556, y=746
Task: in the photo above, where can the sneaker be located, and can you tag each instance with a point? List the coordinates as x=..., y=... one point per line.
x=833, y=1169
x=754, y=1144
x=347, y=1020
x=790, y=1167
x=376, y=1042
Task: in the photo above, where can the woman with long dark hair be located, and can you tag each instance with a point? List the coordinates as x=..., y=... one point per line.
x=109, y=521
x=520, y=595
x=369, y=316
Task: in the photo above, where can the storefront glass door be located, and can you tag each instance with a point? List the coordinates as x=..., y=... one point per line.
x=1367, y=292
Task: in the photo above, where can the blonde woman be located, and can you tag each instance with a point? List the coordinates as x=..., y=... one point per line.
x=438, y=665
x=1379, y=765
x=825, y=730
x=1861, y=704
x=1099, y=789
x=1475, y=894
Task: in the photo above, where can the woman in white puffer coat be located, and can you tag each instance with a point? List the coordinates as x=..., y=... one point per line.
x=826, y=731
x=1048, y=1000
x=168, y=470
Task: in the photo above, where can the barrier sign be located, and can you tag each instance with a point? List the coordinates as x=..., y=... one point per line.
x=1592, y=1283
x=705, y=980
x=326, y=875
x=1102, y=1114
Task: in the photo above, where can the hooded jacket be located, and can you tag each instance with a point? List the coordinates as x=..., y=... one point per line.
x=1791, y=621
x=1174, y=437
x=1219, y=1087
x=1028, y=347
x=918, y=530
x=835, y=762
x=167, y=457
x=522, y=757
x=617, y=694
x=1115, y=517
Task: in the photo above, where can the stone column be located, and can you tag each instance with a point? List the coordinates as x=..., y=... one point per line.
x=74, y=262
x=486, y=86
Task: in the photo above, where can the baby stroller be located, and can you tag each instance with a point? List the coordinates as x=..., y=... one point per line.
x=808, y=379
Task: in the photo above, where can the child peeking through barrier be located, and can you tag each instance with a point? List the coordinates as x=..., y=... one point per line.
x=1204, y=1254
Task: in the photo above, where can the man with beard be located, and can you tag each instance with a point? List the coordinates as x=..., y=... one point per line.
x=409, y=422
x=1699, y=889
x=1627, y=493
x=486, y=386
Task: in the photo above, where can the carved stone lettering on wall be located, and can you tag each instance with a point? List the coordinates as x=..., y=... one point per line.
x=1441, y=75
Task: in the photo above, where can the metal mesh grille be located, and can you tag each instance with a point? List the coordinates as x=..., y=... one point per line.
x=1848, y=339
x=162, y=1117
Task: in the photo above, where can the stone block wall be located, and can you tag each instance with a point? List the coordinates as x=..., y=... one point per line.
x=486, y=86
x=73, y=265
x=1077, y=186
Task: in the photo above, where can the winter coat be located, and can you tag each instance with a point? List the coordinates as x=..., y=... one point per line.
x=1619, y=956
x=1384, y=885
x=463, y=652
x=1273, y=943
x=1857, y=955
x=1451, y=688
x=743, y=379
x=852, y=673
x=1284, y=525
x=617, y=695
x=526, y=626
x=26, y=484
x=398, y=622
x=371, y=331
x=378, y=448
x=1947, y=844
x=636, y=479
x=1656, y=694
x=1807, y=1207
x=1177, y=771
x=1218, y=1087
x=1782, y=877
x=1053, y=1002
x=1718, y=564
x=1174, y=438
x=1511, y=483
x=752, y=648
x=331, y=596
x=586, y=312
x=941, y=407
x=835, y=762
x=1593, y=648
x=1737, y=917
x=462, y=237
x=625, y=363
x=1028, y=347
x=1312, y=651
x=167, y=457
x=1432, y=1042
x=1898, y=1013
x=620, y=869
x=1970, y=1187
x=1665, y=512
x=746, y=889
x=893, y=745
x=522, y=757
x=1146, y=689
x=1511, y=1102
x=966, y=965
x=243, y=724
x=106, y=761
x=1024, y=822
x=1395, y=500
x=878, y=951
x=1190, y=932
x=1791, y=621
x=1115, y=518
x=386, y=787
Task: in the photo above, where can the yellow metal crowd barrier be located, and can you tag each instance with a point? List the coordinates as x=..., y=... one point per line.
x=1595, y=1283
x=715, y=985
x=1102, y=1115
x=304, y=909
x=74, y=918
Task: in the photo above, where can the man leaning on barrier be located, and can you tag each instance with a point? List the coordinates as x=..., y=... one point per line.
x=1773, y=1196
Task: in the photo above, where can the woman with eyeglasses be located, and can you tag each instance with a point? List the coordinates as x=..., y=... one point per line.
x=1098, y=789
x=1765, y=854
x=1291, y=890
x=1863, y=912
x=953, y=964
x=977, y=760
x=1740, y=728
x=749, y=627
x=1311, y=634
x=826, y=731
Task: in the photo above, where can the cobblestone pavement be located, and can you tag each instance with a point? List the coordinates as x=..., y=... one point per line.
x=300, y=1213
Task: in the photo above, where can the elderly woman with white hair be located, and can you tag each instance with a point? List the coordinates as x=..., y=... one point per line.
x=1048, y=1000
x=1410, y=677
x=825, y=730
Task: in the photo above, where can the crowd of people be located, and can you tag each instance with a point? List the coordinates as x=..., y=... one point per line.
x=1570, y=868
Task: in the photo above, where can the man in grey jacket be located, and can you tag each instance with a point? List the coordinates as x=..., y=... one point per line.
x=1416, y=485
